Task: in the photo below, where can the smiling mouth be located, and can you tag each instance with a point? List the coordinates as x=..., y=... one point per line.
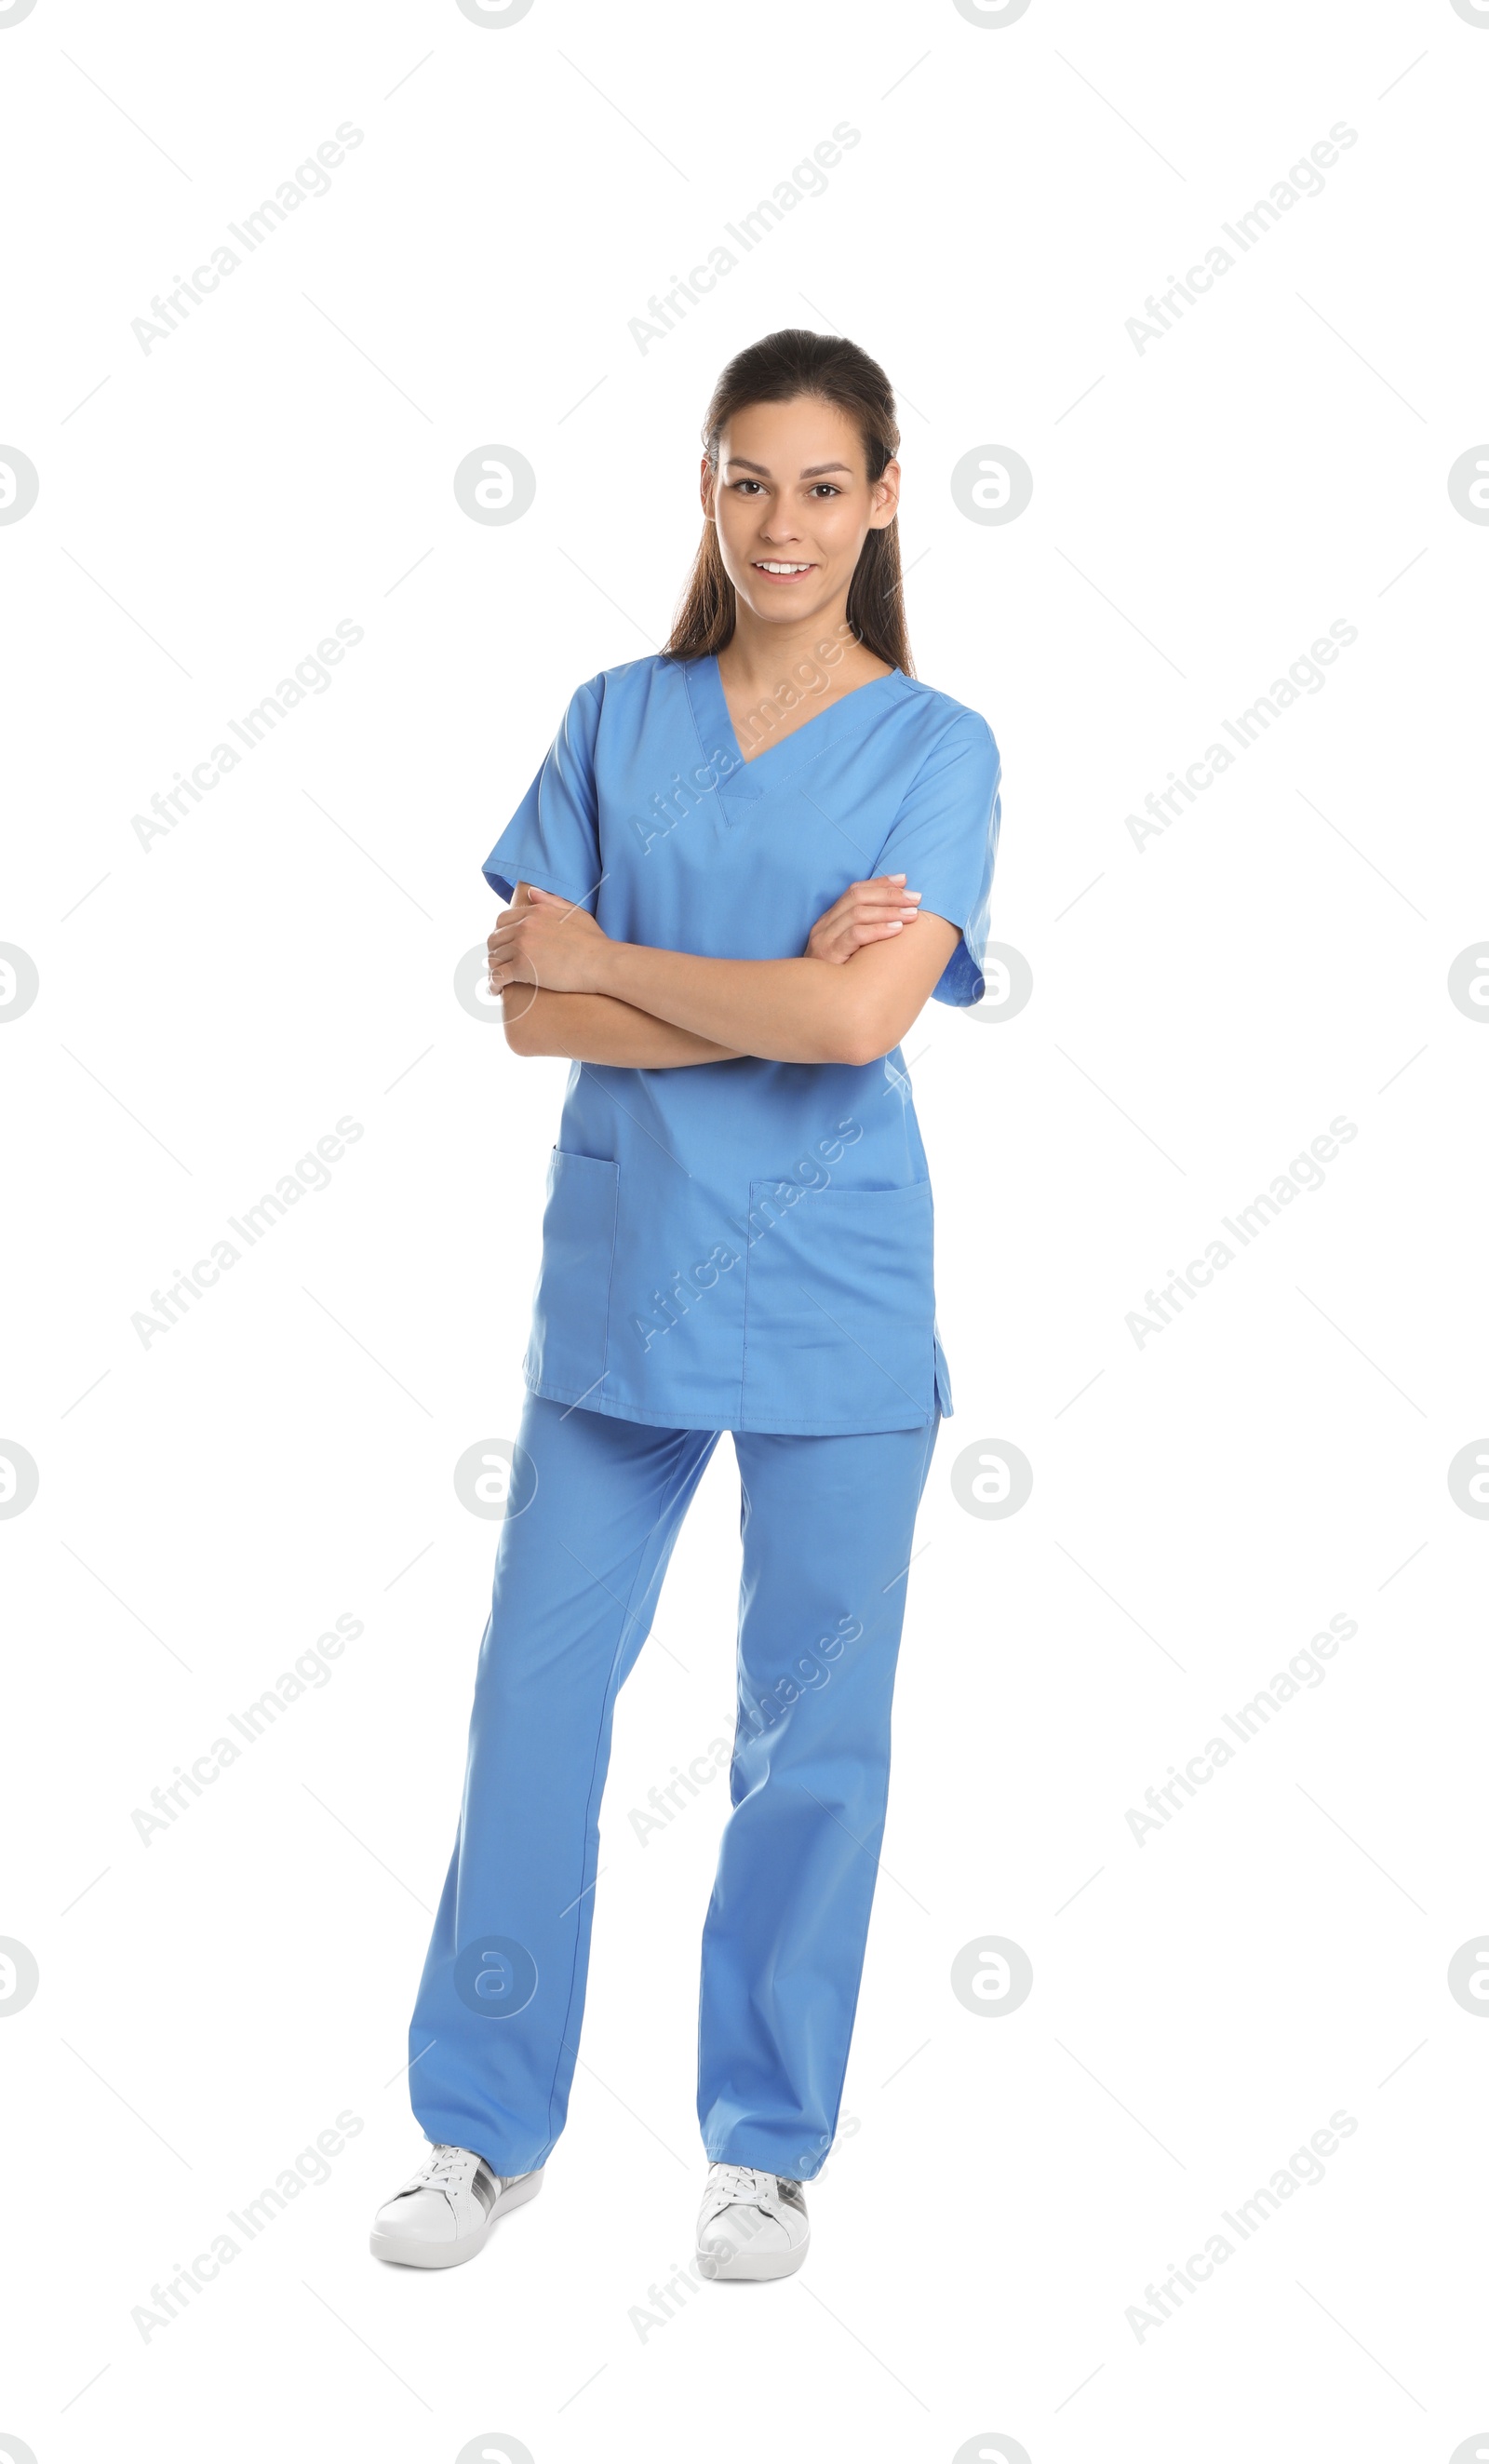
x=778, y=570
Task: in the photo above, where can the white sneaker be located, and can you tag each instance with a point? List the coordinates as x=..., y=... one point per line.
x=445, y=2211
x=751, y=2226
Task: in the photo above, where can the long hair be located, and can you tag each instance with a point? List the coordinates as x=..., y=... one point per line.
x=779, y=368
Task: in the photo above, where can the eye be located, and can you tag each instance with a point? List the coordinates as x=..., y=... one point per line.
x=744, y=483
x=826, y=486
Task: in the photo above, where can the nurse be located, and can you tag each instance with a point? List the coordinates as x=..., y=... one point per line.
x=741, y=870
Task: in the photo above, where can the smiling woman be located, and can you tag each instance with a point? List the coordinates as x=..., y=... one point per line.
x=731, y=994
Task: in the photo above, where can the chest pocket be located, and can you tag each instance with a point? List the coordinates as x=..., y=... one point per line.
x=839, y=1308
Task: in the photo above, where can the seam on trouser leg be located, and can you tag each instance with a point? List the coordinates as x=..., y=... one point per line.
x=606, y=1701
x=852, y=2017
x=851, y=2014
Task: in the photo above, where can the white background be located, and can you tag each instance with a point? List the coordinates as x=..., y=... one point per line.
x=1201, y=1506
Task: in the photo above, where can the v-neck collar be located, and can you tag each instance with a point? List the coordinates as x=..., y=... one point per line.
x=778, y=761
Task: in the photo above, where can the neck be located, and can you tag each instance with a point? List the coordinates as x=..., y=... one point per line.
x=760, y=657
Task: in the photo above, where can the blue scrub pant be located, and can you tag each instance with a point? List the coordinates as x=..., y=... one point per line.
x=827, y=1527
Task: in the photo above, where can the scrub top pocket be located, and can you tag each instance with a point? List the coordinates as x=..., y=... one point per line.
x=840, y=1311
x=571, y=1307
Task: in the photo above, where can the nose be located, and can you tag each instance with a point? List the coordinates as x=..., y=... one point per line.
x=779, y=530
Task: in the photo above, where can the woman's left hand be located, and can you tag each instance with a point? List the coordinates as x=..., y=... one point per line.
x=547, y=943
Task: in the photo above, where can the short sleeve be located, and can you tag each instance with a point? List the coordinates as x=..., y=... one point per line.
x=944, y=841
x=553, y=838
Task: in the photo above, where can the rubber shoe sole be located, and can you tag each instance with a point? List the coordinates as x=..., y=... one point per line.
x=750, y=2266
x=401, y=2251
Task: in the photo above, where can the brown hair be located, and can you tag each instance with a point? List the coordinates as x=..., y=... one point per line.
x=779, y=368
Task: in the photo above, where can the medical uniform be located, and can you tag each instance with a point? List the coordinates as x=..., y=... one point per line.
x=746, y=1246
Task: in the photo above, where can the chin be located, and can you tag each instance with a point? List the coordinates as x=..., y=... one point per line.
x=787, y=605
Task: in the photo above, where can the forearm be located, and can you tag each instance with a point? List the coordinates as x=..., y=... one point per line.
x=592, y=1026
x=848, y=1008
x=779, y=1010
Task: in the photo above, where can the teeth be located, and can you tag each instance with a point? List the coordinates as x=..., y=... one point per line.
x=764, y=567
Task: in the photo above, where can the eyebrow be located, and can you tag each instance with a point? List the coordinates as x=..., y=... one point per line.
x=815, y=471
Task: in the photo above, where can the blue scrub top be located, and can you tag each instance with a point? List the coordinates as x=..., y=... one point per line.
x=747, y=1245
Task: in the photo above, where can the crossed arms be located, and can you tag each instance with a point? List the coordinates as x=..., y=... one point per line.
x=568, y=989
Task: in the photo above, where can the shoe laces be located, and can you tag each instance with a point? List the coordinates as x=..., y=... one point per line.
x=741, y=2186
x=447, y=2168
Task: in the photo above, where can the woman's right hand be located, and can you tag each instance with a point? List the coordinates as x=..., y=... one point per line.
x=868, y=910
